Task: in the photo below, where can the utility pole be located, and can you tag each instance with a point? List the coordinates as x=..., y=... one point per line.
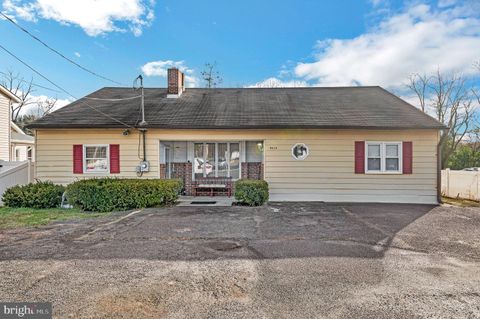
x=142, y=105
x=144, y=165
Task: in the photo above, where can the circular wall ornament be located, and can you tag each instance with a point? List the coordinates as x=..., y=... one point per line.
x=300, y=151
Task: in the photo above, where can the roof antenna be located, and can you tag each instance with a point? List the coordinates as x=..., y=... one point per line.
x=140, y=79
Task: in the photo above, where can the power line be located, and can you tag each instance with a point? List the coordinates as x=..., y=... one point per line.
x=61, y=88
x=56, y=51
x=31, y=83
x=112, y=100
x=44, y=87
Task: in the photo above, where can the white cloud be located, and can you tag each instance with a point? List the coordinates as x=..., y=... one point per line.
x=420, y=39
x=376, y=2
x=95, y=17
x=38, y=102
x=25, y=12
x=446, y=3
x=277, y=83
x=160, y=68
x=77, y=54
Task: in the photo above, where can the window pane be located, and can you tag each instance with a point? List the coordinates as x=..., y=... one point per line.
x=96, y=152
x=96, y=165
x=391, y=164
x=198, y=161
x=373, y=150
x=222, y=159
x=210, y=159
x=254, y=151
x=373, y=164
x=392, y=150
x=235, y=160
x=300, y=151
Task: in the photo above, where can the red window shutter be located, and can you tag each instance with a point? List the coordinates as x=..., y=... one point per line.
x=359, y=157
x=407, y=162
x=114, y=159
x=78, y=159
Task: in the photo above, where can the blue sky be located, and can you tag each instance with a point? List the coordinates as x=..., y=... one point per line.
x=255, y=43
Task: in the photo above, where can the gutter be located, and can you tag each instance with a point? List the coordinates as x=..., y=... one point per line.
x=237, y=127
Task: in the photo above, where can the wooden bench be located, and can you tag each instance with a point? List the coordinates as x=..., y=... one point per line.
x=212, y=183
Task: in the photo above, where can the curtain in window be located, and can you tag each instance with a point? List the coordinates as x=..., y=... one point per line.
x=235, y=160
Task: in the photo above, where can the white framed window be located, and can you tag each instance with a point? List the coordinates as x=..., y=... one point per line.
x=383, y=157
x=300, y=151
x=216, y=159
x=96, y=159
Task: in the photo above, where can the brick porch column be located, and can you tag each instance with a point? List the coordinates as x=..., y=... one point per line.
x=188, y=179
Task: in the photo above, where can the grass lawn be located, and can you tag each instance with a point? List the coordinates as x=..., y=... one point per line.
x=28, y=217
x=460, y=202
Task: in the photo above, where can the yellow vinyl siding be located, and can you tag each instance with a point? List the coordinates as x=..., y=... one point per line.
x=55, y=154
x=326, y=174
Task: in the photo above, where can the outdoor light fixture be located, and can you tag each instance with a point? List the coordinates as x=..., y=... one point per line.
x=126, y=132
x=260, y=146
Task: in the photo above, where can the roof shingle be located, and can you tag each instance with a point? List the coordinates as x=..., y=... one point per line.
x=249, y=108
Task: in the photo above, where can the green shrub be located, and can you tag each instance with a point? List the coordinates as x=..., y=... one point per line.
x=108, y=194
x=251, y=192
x=34, y=195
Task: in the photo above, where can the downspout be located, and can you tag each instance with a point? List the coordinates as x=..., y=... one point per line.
x=144, y=134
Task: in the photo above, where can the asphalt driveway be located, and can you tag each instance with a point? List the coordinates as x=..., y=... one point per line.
x=302, y=260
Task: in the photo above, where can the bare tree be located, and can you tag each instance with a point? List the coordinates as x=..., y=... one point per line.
x=419, y=85
x=21, y=88
x=450, y=100
x=24, y=89
x=211, y=76
x=476, y=92
x=45, y=106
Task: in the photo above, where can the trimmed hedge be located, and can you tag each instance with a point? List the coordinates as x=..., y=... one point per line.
x=108, y=194
x=34, y=195
x=251, y=192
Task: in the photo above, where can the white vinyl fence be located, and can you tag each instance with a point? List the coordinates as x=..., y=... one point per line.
x=461, y=184
x=15, y=173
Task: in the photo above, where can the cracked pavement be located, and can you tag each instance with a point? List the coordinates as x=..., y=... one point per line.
x=283, y=260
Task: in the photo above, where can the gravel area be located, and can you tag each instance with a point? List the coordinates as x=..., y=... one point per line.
x=284, y=260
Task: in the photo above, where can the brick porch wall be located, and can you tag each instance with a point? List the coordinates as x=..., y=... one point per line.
x=182, y=171
x=163, y=171
x=253, y=170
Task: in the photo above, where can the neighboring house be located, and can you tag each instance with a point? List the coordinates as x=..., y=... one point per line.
x=350, y=144
x=15, y=145
x=22, y=146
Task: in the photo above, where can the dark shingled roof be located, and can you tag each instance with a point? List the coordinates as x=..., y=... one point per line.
x=248, y=108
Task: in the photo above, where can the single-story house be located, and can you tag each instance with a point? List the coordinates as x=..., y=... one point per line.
x=15, y=145
x=22, y=145
x=351, y=144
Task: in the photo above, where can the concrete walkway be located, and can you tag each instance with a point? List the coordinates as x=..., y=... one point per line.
x=196, y=201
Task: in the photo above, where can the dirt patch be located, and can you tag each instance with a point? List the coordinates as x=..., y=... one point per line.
x=133, y=306
x=172, y=290
x=223, y=245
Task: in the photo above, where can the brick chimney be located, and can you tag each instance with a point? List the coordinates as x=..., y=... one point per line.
x=176, y=83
